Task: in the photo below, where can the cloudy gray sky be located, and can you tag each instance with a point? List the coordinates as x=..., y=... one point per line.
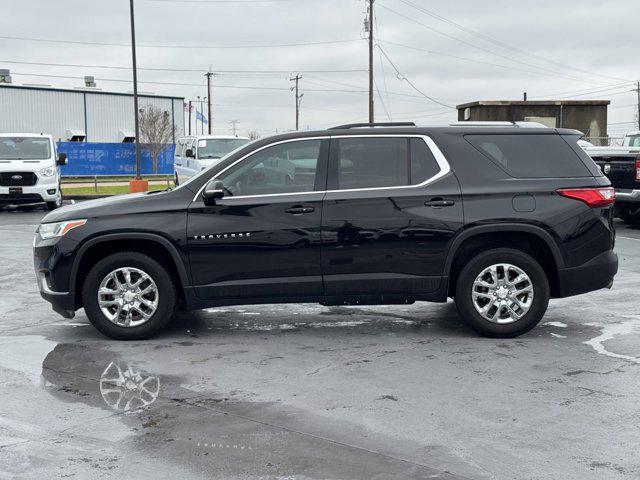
x=451, y=51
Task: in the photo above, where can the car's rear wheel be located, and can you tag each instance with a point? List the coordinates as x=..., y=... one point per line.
x=129, y=296
x=502, y=293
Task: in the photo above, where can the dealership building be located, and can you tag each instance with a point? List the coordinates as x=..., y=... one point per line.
x=82, y=114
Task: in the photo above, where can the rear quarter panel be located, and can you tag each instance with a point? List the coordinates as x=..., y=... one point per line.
x=492, y=197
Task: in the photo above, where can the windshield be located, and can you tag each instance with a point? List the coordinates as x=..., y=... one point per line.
x=24, y=148
x=214, y=148
x=634, y=140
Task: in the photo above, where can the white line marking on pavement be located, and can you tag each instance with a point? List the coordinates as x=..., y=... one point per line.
x=629, y=238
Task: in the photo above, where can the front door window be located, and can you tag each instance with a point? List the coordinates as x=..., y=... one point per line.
x=285, y=168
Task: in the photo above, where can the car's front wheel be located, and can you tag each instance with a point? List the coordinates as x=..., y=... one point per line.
x=502, y=292
x=129, y=296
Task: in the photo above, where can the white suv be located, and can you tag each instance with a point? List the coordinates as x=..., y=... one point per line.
x=195, y=153
x=29, y=169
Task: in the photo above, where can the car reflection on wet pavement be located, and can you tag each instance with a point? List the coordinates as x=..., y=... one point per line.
x=127, y=389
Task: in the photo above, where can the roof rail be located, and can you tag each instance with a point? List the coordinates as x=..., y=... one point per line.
x=489, y=123
x=376, y=124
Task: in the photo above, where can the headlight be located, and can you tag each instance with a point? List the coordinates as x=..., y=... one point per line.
x=54, y=230
x=48, y=172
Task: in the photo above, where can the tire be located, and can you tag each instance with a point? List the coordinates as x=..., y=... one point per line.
x=175, y=180
x=628, y=215
x=165, y=297
x=508, y=326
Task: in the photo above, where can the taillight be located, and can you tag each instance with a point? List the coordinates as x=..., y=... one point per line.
x=594, y=197
x=638, y=170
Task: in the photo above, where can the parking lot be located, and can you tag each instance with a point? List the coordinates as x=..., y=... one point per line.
x=306, y=392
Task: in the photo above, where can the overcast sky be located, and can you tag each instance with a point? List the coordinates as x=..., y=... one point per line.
x=454, y=52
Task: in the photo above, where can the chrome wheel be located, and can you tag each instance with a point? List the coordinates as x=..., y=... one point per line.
x=128, y=297
x=502, y=293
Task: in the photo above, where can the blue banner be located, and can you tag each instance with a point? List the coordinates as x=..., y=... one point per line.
x=112, y=159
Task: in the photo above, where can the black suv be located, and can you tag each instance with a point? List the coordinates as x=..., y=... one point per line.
x=498, y=218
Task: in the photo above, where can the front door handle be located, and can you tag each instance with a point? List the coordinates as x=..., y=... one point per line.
x=439, y=202
x=299, y=210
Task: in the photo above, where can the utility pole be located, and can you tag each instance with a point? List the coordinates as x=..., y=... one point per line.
x=208, y=75
x=190, y=109
x=638, y=93
x=135, y=88
x=234, y=126
x=298, y=97
x=371, y=61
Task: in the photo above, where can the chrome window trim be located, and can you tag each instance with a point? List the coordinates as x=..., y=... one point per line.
x=441, y=160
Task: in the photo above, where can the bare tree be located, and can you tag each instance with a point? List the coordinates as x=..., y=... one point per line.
x=156, y=131
x=253, y=135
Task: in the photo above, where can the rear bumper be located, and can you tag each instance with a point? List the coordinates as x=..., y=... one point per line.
x=628, y=197
x=597, y=273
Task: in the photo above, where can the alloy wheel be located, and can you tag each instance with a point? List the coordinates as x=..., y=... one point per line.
x=502, y=293
x=128, y=297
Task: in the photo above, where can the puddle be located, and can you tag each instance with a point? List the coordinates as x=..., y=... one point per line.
x=611, y=331
x=201, y=430
x=98, y=378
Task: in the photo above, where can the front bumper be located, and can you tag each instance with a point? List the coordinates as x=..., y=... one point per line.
x=61, y=302
x=595, y=274
x=46, y=190
x=52, y=261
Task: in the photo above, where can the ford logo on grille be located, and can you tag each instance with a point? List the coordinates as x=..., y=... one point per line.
x=16, y=177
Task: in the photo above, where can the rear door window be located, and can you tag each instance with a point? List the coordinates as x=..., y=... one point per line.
x=531, y=156
x=375, y=162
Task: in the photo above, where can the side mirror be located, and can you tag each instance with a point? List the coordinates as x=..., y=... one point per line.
x=213, y=191
x=189, y=153
x=62, y=159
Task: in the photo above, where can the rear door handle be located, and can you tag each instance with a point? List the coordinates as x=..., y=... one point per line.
x=299, y=210
x=439, y=202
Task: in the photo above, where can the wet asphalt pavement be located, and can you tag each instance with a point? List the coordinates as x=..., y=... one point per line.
x=311, y=392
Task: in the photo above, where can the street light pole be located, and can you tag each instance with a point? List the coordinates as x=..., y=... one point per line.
x=135, y=90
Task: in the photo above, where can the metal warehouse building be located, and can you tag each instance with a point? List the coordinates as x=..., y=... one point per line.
x=99, y=116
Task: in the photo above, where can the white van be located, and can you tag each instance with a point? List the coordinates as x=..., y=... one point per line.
x=195, y=153
x=30, y=169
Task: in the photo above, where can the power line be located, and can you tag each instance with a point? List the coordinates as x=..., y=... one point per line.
x=587, y=90
x=181, y=84
x=401, y=77
x=106, y=44
x=179, y=69
x=219, y=1
x=473, y=60
x=477, y=47
x=384, y=77
x=502, y=44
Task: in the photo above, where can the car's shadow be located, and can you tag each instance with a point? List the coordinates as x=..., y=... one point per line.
x=433, y=319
